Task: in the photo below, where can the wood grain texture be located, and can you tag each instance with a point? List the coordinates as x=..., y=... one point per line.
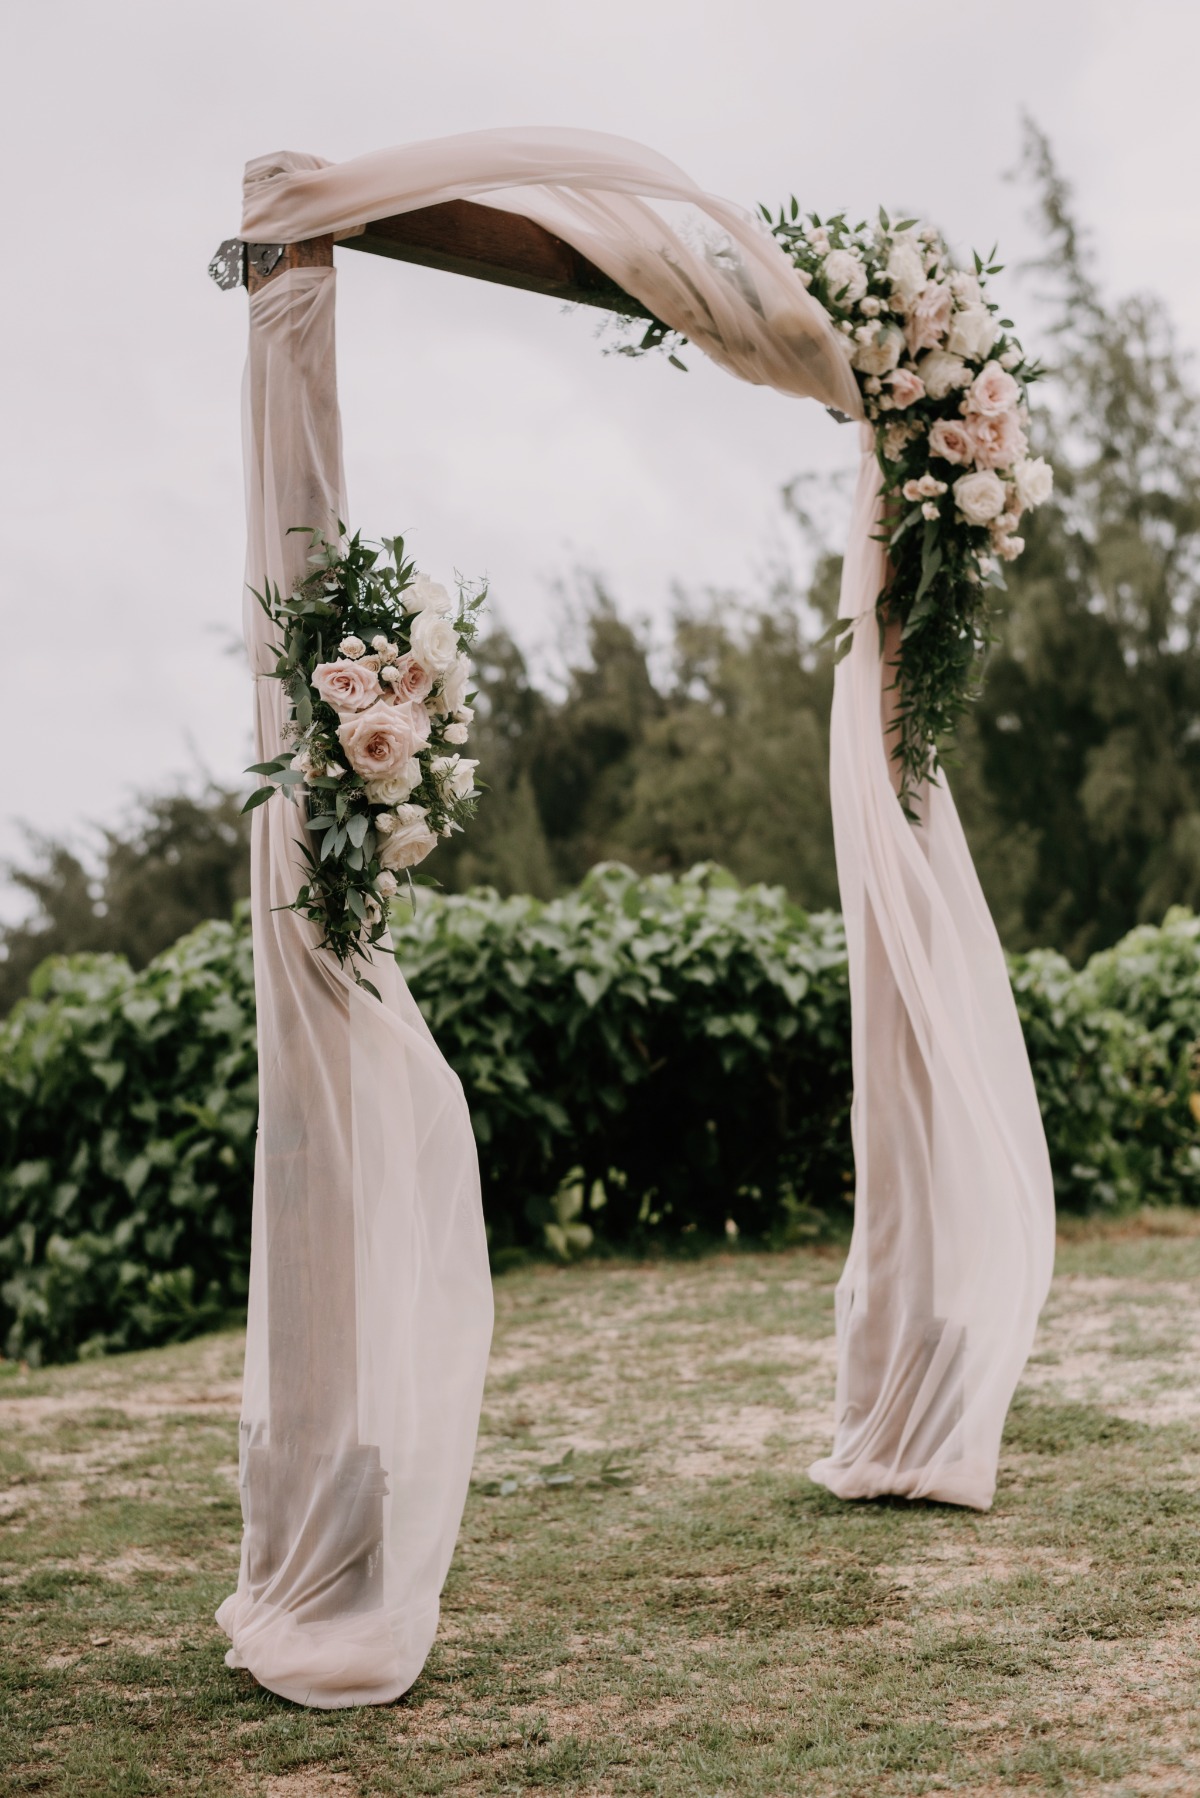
x=466, y=239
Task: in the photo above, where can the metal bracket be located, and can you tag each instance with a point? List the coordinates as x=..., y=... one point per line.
x=233, y=259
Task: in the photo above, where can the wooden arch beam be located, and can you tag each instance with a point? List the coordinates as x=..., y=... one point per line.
x=462, y=238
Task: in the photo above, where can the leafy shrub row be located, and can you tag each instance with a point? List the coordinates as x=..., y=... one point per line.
x=128, y=1108
x=645, y=1059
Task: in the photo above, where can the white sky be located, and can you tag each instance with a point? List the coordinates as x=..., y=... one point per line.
x=483, y=421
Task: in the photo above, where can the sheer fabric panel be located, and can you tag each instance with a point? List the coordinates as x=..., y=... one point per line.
x=370, y=1298
x=705, y=266
x=953, y=1243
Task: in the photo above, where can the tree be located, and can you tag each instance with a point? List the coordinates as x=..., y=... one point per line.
x=1087, y=738
x=181, y=858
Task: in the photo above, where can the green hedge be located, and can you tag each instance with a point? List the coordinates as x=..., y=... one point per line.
x=677, y=1048
x=645, y=1059
x=128, y=1107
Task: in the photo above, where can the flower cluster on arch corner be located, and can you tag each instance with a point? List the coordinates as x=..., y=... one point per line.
x=944, y=383
x=374, y=664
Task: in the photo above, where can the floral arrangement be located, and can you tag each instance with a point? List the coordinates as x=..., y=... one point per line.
x=373, y=660
x=945, y=384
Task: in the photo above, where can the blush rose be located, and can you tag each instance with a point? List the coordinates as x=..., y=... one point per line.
x=408, y=679
x=380, y=741
x=998, y=441
x=993, y=391
x=952, y=442
x=346, y=686
x=904, y=387
x=929, y=319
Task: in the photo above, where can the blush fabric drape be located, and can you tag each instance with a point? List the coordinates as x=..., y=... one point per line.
x=370, y=1297
x=370, y=1309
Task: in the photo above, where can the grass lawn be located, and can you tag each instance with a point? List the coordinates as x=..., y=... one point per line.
x=716, y=1626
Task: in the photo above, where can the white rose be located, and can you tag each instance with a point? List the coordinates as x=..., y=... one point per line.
x=1034, y=479
x=433, y=640
x=1009, y=548
x=410, y=840
x=352, y=647
x=966, y=289
x=1011, y=357
x=972, y=332
x=455, y=774
x=880, y=353
x=845, y=277
x=387, y=886
x=453, y=690
x=455, y=733
x=387, y=652
x=818, y=237
x=385, y=823
x=428, y=596
x=870, y=307
x=906, y=270
x=393, y=789
x=942, y=372
x=980, y=497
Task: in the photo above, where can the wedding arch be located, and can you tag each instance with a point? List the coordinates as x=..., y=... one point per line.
x=370, y=1301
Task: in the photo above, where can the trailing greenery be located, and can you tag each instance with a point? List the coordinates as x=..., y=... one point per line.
x=647, y=1060
x=387, y=713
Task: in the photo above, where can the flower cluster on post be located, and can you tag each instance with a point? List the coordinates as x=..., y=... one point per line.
x=373, y=659
x=944, y=384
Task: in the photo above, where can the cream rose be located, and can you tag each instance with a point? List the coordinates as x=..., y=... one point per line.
x=387, y=886
x=387, y=652
x=455, y=774
x=952, y=442
x=972, y=332
x=433, y=641
x=906, y=270
x=394, y=789
x=410, y=840
x=379, y=742
x=346, y=686
x=351, y=646
x=428, y=596
x=1034, y=480
x=929, y=319
x=408, y=679
x=896, y=438
x=1008, y=548
x=966, y=288
x=877, y=350
x=979, y=497
x=455, y=733
x=998, y=441
x=453, y=691
x=993, y=391
x=845, y=277
x=942, y=373
x=904, y=387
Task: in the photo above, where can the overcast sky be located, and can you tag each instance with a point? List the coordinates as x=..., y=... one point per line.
x=483, y=422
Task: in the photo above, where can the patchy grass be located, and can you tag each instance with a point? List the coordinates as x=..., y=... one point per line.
x=689, y=1615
